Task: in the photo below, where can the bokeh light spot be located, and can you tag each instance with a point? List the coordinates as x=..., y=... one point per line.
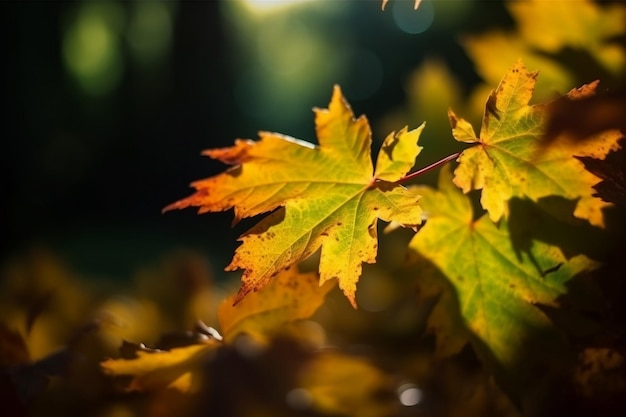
x=90, y=48
x=409, y=395
x=150, y=32
x=247, y=347
x=286, y=50
x=413, y=21
x=269, y=6
x=299, y=399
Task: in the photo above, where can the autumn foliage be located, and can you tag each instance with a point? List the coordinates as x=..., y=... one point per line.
x=510, y=253
x=330, y=197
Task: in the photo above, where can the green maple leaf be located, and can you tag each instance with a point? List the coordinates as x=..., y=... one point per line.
x=509, y=158
x=498, y=289
x=329, y=196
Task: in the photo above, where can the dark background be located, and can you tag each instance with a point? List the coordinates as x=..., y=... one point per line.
x=86, y=174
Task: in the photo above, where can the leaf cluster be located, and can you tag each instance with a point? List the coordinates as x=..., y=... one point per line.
x=505, y=267
x=500, y=276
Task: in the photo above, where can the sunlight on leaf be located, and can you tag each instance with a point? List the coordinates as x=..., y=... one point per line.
x=509, y=159
x=290, y=296
x=328, y=195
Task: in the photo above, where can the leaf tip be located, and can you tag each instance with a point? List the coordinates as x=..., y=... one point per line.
x=452, y=118
x=241, y=294
x=336, y=97
x=337, y=90
x=349, y=292
x=177, y=205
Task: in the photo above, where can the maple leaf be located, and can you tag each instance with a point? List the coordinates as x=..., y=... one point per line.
x=510, y=160
x=290, y=296
x=497, y=287
x=329, y=197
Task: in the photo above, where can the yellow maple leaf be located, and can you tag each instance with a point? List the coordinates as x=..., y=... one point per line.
x=510, y=160
x=329, y=196
x=290, y=296
x=180, y=368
